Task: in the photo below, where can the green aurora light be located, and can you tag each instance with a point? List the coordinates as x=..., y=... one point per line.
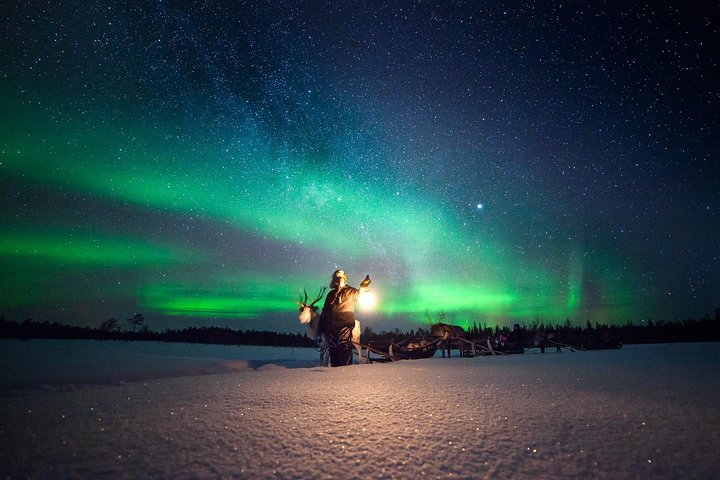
x=165, y=171
x=464, y=275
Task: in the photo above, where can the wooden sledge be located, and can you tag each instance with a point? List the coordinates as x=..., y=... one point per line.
x=408, y=349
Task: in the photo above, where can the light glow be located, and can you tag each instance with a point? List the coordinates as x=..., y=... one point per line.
x=367, y=301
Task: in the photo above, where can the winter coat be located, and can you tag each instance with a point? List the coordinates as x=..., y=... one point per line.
x=339, y=310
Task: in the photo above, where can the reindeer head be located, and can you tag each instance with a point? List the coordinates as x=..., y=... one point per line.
x=441, y=330
x=308, y=311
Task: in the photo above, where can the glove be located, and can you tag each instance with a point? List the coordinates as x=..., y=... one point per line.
x=365, y=283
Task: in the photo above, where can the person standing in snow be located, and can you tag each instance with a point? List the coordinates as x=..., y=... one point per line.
x=337, y=319
x=516, y=339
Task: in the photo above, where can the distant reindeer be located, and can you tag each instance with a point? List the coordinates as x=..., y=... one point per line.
x=451, y=334
x=309, y=316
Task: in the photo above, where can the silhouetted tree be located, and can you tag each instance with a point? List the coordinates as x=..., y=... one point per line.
x=136, y=321
x=109, y=325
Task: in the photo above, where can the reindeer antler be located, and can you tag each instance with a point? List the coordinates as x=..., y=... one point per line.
x=304, y=303
x=319, y=296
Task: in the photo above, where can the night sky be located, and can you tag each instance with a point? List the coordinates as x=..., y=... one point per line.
x=202, y=162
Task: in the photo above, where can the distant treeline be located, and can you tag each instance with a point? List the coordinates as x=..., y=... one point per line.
x=704, y=329
x=216, y=335
x=690, y=330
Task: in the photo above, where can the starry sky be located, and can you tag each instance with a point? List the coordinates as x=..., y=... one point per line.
x=499, y=162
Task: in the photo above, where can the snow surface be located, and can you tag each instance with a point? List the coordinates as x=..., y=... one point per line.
x=642, y=411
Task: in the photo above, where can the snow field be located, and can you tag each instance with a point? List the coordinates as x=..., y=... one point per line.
x=643, y=411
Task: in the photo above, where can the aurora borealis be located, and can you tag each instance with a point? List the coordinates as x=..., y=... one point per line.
x=202, y=162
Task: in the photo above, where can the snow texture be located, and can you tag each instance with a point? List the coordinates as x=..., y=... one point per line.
x=642, y=411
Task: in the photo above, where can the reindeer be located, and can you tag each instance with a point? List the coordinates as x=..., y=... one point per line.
x=309, y=316
x=450, y=334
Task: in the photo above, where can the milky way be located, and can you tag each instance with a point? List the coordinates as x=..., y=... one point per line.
x=203, y=162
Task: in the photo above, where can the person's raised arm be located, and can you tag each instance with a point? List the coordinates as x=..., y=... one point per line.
x=365, y=284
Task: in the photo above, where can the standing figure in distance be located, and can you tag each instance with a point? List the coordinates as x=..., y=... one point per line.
x=337, y=319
